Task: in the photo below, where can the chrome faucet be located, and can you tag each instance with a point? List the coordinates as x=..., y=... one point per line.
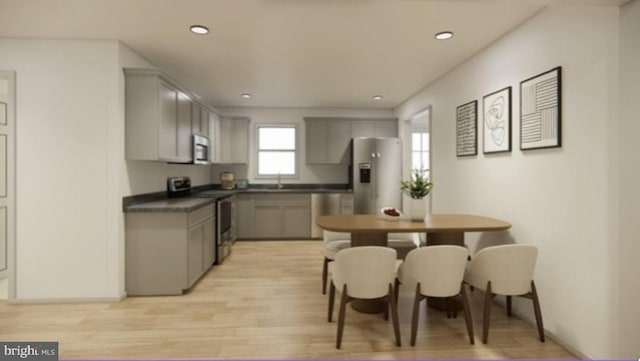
x=280, y=185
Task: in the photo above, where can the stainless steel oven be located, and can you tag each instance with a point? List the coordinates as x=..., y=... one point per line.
x=225, y=230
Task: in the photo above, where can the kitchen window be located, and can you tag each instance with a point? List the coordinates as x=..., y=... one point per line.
x=277, y=150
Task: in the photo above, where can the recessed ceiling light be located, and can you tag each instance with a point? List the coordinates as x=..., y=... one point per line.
x=246, y=95
x=377, y=97
x=199, y=29
x=444, y=35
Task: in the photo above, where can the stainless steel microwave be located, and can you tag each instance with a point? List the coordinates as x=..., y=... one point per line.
x=201, y=148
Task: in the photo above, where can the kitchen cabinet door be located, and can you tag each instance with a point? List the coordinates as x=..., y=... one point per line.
x=266, y=220
x=168, y=145
x=208, y=244
x=296, y=221
x=195, y=249
x=184, y=127
x=204, y=121
x=374, y=128
x=327, y=141
x=234, y=140
x=244, y=219
x=215, y=138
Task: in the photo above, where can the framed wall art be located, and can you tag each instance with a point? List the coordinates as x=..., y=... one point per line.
x=540, y=111
x=466, y=129
x=496, y=109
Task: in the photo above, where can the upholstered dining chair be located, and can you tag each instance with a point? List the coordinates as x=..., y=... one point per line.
x=364, y=273
x=435, y=271
x=505, y=270
x=333, y=242
x=336, y=241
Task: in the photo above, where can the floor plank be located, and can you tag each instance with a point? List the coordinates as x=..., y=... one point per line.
x=264, y=302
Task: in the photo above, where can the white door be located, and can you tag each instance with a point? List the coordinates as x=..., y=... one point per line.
x=7, y=175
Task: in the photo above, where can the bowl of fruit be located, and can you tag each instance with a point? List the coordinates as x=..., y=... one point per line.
x=390, y=214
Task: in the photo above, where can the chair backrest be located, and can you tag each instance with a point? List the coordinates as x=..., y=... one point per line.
x=438, y=269
x=330, y=236
x=367, y=271
x=508, y=267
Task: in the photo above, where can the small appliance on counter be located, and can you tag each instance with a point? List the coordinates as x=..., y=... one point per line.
x=227, y=180
x=178, y=187
x=242, y=184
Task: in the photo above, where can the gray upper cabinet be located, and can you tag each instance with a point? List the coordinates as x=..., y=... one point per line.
x=374, y=128
x=328, y=139
x=234, y=140
x=215, y=137
x=199, y=119
x=160, y=117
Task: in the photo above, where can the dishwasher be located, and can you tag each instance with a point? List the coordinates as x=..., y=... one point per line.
x=323, y=204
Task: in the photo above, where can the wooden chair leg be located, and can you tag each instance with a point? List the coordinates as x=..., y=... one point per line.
x=416, y=315
x=508, y=306
x=341, y=314
x=538, y=312
x=394, y=316
x=467, y=314
x=487, y=313
x=396, y=290
x=325, y=274
x=332, y=296
x=386, y=310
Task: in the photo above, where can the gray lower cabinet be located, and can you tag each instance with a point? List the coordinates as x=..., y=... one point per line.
x=166, y=253
x=274, y=216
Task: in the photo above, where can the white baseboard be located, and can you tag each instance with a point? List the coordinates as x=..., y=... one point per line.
x=119, y=298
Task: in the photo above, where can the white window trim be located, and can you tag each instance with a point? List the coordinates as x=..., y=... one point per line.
x=296, y=169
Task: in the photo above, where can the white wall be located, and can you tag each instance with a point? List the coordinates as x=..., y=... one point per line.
x=64, y=105
x=71, y=174
x=337, y=174
x=557, y=199
x=629, y=176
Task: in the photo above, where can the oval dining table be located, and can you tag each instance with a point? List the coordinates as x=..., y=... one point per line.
x=440, y=229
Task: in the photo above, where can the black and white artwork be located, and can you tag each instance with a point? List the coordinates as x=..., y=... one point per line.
x=3, y=113
x=466, y=129
x=540, y=111
x=496, y=108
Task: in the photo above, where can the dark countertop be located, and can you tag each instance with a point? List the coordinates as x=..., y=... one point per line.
x=205, y=195
x=184, y=204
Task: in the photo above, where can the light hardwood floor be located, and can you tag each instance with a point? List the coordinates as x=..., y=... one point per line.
x=265, y=302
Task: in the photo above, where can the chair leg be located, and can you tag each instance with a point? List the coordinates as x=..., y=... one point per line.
x=416, y=315
x=508, y=306
x=386, y=310
x=325, y=274
x=341, y=314
x=396, y=290
x=332, y=297
x=487, y=313
x=538, y=312
x=394, y=316
x=467, y=314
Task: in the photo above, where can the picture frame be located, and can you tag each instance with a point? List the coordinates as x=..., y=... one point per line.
x=496, y=130
x=467, y=129
x=541, y=110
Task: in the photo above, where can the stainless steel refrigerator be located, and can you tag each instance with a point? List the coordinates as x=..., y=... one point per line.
x=376, y=167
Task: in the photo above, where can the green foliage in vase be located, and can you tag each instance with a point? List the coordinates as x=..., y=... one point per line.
x=418, y=186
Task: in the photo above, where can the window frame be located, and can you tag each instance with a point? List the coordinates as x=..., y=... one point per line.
x=296, y=152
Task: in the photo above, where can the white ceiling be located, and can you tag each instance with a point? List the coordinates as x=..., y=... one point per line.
x=287, y=53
